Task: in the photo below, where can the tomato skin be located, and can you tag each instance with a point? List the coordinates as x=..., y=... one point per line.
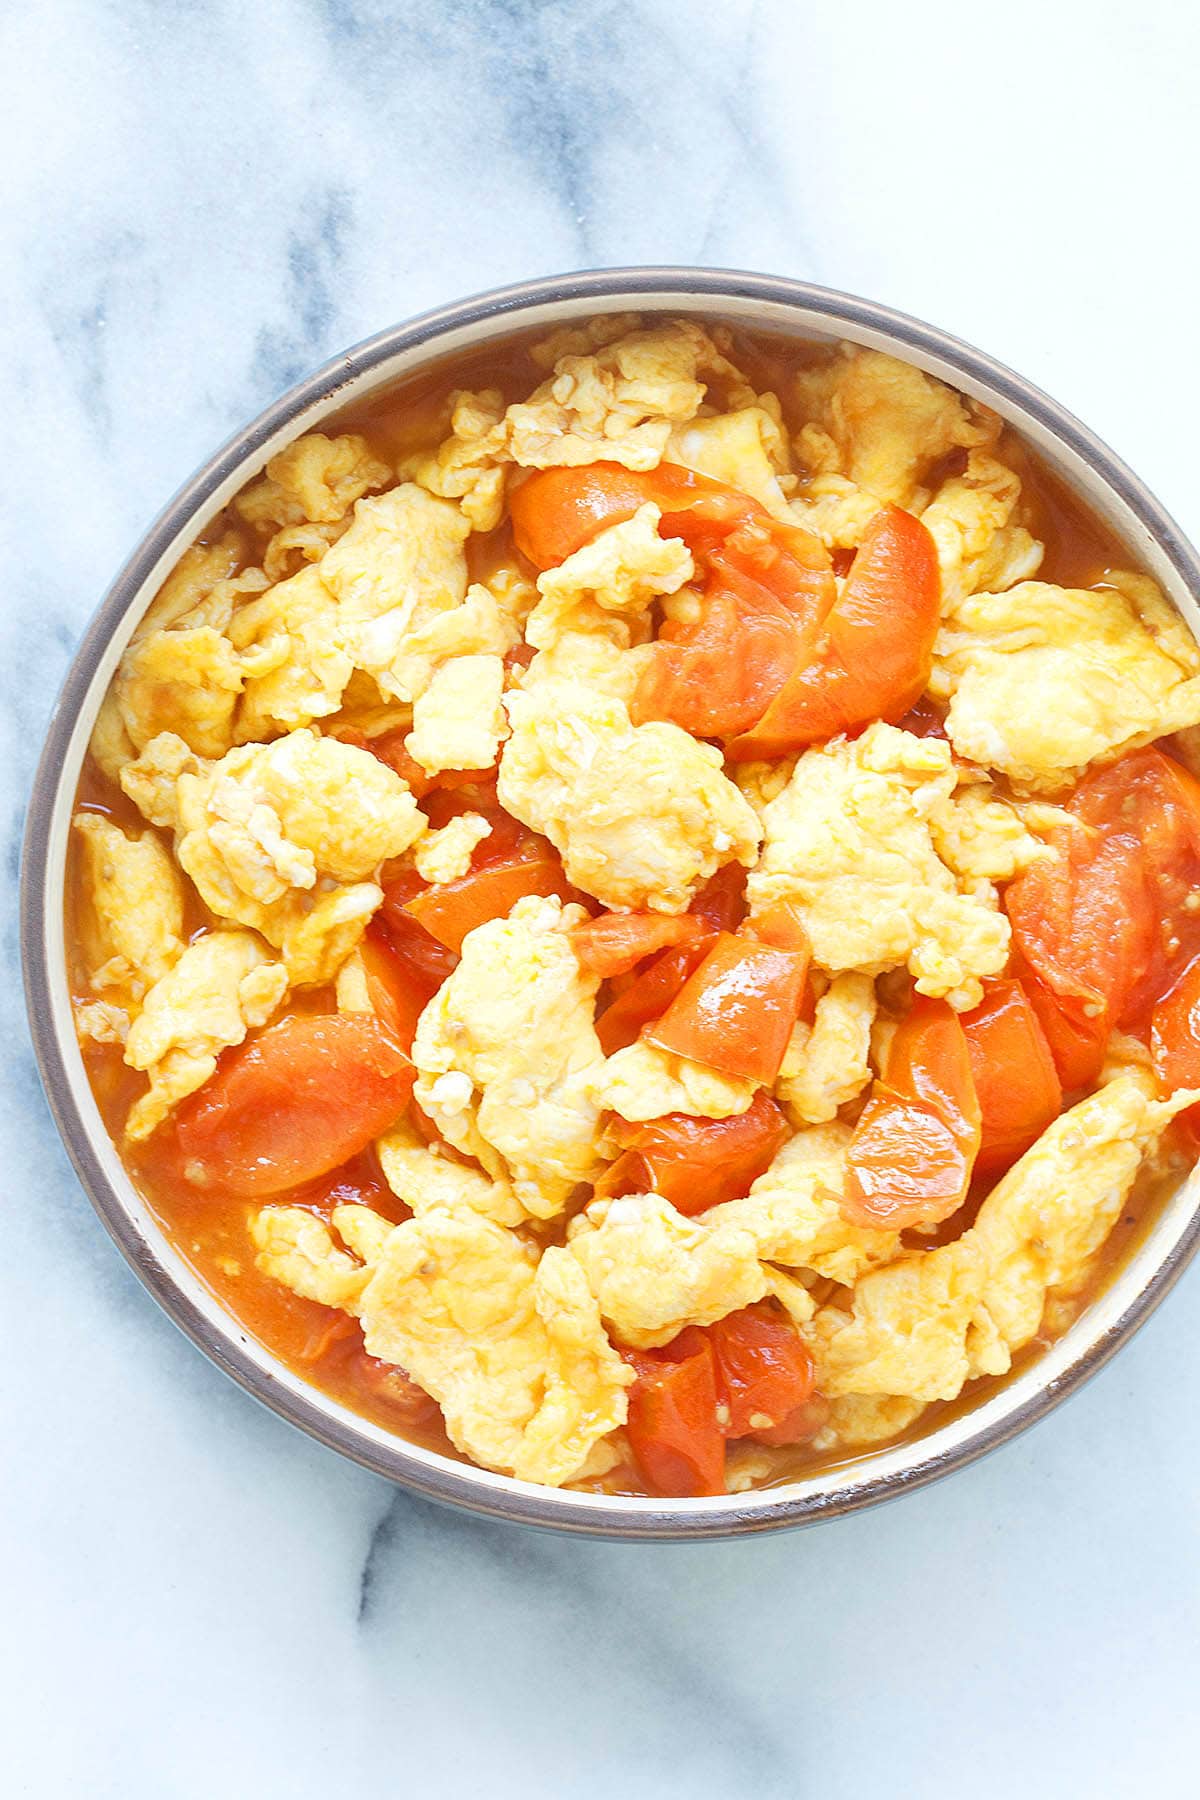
x=1108, y=927
x=872, y=656
x=1014, y=1073
x=451, y=909
x=721, y=902
x=673, y=1431
x=295, y=1102
x=737, y=1011
x=398, y=991
x=917, y=1138
x=615, y=943
x=556, y=511
x=697, y=1163
x=781, y=927
x=1077, y=1042
x=717, y=676
x=650, y=993
x=764, y=1370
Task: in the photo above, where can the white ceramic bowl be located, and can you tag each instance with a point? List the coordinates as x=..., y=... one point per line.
x=791, y=309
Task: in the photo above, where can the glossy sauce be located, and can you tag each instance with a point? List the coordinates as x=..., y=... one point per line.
x=209, y=1227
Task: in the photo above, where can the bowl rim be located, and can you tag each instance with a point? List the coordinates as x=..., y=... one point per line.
x=1057, y=1373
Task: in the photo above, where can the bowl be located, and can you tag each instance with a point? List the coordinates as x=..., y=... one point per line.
x=767, y=304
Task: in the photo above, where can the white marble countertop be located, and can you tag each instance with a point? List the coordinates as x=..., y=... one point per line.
x=202, y=202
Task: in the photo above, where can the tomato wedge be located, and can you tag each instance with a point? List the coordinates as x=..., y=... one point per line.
x=1014, y=1073
x=780, y=926
x=294, y=1103
x=764, y=1370
x=697, y=1163
x=556, y=511
x=1109, y=925
x=916, y=1141
x=716, y=676
x=397, y=991
x=721, y=902
x=615, y=943
x=650, y=993
x=451, y=909
x=871, y=656
x=673, y=1430
x=737, y=1011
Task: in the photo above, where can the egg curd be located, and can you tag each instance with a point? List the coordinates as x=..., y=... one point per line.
x=637, y=919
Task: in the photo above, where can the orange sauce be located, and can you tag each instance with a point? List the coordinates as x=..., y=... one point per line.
x=209, y=1228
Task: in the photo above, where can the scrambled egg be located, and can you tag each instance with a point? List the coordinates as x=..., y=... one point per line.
x=982, y=838
x=970, y=520
x=186, y=682
x=621, y=571
x=317, y=479
x=599, y=657
x=221, y=986
x=849, y=843
x=287, y=838
x=641, y=814
x=882, y=424
x=464, y=467
x=511, y=1348
x=424, y=1177
x=827, y=1064
x=653, y=1271
x=131, y=926
x=445, y=855
x=746, y=449
x=619, y=404
x=644, y=1082
x=1045, y=680
x=458, y=721
x=793, y=1211
x=303, y=665
x=933, y=1319
x=505, y=1053
x=398, y=568
x=151, y=780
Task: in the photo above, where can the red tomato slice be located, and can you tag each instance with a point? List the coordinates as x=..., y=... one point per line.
x=673, y=1430
x=1077, y=1042
x=781, y=927
x=453, y=908
x=615, y=943
x=764, y=1370
x=1013, y=1068
x=872, y=656
x=917, y=1138
x=1083, y=920
x=398, y=988
x=924, y=720
x=650, y=993
x=697, y=1163
x=798, y=1426
x=737, y=1011
x=721, y=902
x=556, y=511
x=717, y=676
x=294, y=1103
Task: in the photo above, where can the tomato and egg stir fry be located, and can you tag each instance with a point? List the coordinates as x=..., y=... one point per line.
x=637, y=920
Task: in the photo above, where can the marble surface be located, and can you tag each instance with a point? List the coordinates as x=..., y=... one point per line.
x=201, y=201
